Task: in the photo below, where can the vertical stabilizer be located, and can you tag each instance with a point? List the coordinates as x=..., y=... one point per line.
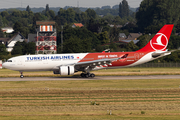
x=160, y=41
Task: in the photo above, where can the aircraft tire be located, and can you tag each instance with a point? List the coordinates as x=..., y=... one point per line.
x=86, y=75
x=21, y=76
x=92, y=75
x=82, y=75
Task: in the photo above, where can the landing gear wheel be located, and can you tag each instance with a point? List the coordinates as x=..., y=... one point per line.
x=92, y=75
x=86, y=75
x=21, y=76
x=82, y=75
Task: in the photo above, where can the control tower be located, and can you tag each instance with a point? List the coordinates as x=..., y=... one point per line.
x=46, y=37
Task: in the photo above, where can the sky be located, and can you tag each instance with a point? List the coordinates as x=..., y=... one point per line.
x=63, y=3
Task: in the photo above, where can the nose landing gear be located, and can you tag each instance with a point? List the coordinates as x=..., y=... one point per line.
x=21, y=76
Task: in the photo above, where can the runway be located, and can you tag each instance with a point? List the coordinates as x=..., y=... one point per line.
x=96, y=78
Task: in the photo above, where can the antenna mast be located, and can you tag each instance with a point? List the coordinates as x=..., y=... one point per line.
x=21, y=3
x=78, y=4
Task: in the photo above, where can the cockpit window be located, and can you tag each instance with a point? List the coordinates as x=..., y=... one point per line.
x=9, y=61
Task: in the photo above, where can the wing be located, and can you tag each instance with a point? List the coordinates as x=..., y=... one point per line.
x=96, y=64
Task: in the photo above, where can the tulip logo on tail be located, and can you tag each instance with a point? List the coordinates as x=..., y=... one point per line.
x=159, y=42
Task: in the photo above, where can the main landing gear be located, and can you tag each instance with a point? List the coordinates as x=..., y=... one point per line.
x=87, y=75
x=21, y=76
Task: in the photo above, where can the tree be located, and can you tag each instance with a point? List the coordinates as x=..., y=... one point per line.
x=1, y=21
x=78, y=17
x=4, y=14
x=17, y=27
x=103, y=37
x=28, y=9
x=131, y=46
x=17, y=49
x=114, y=34
x=84, y=17
x=154, y=13
x=178, y=27
x=87, y=40
x=131, y=27
x=1, y=33
x=22, y=48
x=143, y=40
x=124, y=9
x=77, y=45
x=73, y=45
x=113, y=47
x=174, y=42
x=91, y=13
x=3, y=50
x=52, y=14
x=68, y=16
x=30, y=48
x=17, y=13
x=102, y=25
x=106, y=7
x=99, y=48
x=47, y=7
x=118, y=21
x=92, y=25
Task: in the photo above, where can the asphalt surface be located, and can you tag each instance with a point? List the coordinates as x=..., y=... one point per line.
x=96, y=78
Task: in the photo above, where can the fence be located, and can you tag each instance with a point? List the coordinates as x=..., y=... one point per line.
x=159, y=65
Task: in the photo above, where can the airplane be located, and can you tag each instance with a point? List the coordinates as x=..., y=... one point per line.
x=68, y=64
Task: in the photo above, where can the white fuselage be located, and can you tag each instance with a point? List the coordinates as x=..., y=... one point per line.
x=42, y=62
x=54, y=61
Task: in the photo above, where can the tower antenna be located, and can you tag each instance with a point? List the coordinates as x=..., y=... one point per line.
x=21, y=3
x=78, y=4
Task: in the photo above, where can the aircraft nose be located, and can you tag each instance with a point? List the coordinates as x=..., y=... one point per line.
x=4, y=65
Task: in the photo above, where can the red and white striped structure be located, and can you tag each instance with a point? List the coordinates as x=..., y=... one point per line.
x=46, y=28
x=46, y=37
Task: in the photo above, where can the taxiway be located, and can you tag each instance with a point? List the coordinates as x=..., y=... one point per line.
x=96, y=78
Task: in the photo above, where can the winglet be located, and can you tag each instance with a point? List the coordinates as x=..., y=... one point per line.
x=160, y=41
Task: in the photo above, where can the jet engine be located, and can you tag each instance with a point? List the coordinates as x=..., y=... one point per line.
x=66, y=70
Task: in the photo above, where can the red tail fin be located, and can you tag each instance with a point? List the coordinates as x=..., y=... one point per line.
x=160, y=41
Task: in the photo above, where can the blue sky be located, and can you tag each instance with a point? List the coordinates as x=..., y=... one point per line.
x=63, y=3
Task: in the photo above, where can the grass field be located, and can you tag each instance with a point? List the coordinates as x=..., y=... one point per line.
x=93, y=99
x=115, y=72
